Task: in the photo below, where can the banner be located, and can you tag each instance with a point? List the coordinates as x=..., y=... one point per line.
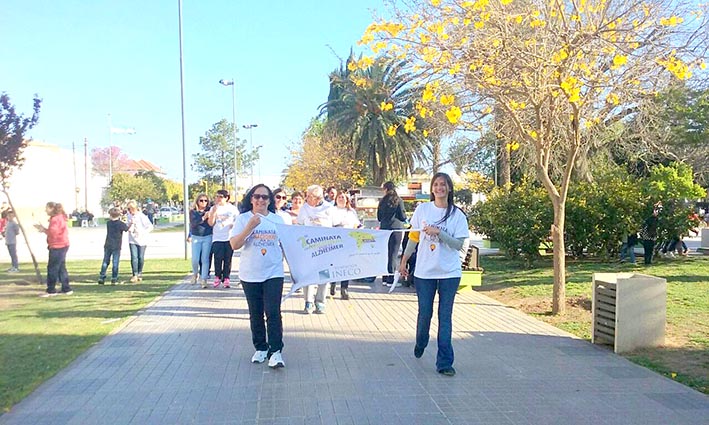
x=319, y=255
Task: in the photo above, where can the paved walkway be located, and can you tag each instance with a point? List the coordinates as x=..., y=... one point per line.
x=185, y=360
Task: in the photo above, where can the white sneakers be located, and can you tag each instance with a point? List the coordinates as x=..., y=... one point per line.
x=276, y=360
x=259, y=357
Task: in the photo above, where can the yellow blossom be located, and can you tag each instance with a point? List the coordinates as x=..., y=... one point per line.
x=352, y=66
x=505, y=2
x=532, y=134
x=487, y=110
x=379, y=46
x=391, y=131
x=455, y=69
x=512, y=146
x=425, y=133
x=613, y=99
x=386, y=106
x=447, y=99
x=671, y=21
x=454, y=114
x=410, y=124
x=436, y=3
x=516, y=105
x=618, y=61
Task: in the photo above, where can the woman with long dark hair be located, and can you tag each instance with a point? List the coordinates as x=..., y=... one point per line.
x=261, y=272
x=391, y=216
x=443, y=230
x=58, y=244
x=201, y=239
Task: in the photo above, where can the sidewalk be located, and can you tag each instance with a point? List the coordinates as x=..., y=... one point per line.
x=186, y=360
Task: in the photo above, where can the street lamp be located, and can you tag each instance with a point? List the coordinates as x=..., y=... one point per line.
x=227, y=83
x=250, y=127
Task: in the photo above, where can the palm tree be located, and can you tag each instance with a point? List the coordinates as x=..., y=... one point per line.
x=370, y=109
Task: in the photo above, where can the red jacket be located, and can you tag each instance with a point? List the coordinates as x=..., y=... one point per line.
x=57, y=232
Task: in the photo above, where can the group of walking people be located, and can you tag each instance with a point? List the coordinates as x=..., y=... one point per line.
x=440, y=226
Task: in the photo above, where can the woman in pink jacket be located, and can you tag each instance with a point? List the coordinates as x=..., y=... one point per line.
x=58, y=244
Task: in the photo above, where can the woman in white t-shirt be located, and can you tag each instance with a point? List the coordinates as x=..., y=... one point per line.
x=281, y=199
x=261, y=272
x=343, y=215
x=221, y=217
x=443, y=230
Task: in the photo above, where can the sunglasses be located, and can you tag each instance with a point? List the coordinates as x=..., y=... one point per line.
x=281, y=197
x=219, y=196
x=203, y=200
x=258, y=196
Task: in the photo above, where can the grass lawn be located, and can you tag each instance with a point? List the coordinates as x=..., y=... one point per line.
x=685, y=355
x=40, y=336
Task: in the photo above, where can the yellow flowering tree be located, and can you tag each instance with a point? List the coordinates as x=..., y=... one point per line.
x=557, y=71
x=325, y=159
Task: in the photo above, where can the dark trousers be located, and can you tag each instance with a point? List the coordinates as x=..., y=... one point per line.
x=265, y=298
x=393, y=251
x=12, y=250
x=137, y=258
x=648, y=248
x=56, y=270
x=222, y=252
x=110, y=255
x=426, y=291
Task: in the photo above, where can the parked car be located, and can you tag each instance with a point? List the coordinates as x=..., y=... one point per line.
x=167, y=212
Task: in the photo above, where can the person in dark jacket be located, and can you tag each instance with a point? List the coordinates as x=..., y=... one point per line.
x=648, y=234
x=201, y=238
x=112, y=247
x=391, y=215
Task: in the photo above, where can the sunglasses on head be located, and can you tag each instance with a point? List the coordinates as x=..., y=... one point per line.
x=259, y=196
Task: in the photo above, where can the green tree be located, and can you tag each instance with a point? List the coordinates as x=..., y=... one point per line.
x=13, y=127
x=218, y=152
x=126, y=186
x=374, y=109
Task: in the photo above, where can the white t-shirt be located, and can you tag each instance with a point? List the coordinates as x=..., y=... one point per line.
x=343, y=217
x=261, y=255
x=285, y=215
x=316, y=216
x=226, y=215
x=139, y=231
x=434, y=259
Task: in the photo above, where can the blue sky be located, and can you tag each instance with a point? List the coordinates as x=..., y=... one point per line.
x=88, y=59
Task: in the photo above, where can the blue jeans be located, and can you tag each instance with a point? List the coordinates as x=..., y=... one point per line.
x=627, y=251
x=110, y=255
x=201, y=251
x=426, y=291
x=56, y=270
x=265, y=298
x=12, y=250
x=137, y=258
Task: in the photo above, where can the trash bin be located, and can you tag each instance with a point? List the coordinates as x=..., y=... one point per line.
x=629, y=310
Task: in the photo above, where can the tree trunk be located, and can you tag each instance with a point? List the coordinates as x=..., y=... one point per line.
x=436, y=151
x=505, y=168
x=24, y=235
x=557, y=237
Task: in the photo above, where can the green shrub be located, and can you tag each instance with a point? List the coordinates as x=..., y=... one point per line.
x=519, y=220
x=600, y=213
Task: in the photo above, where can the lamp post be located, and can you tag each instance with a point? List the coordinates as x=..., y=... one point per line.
x=185, y=188
x=250, y=127
x=227, y=83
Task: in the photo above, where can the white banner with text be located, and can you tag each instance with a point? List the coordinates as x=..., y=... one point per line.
x=319, y=255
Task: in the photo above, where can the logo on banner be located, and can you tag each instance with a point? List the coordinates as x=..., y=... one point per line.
x=362, y=238
x=324, y=274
